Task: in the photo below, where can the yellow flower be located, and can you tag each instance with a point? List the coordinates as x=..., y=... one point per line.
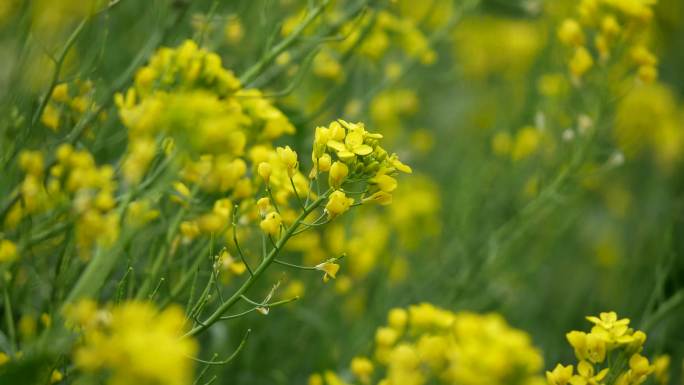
x=397, y=318
x=321, y=137
x=384, y=182
x=527, y=141
x=56, y=376
x=182, y=189
x=570, y=33
x=353, y=145
x=329, y=269
x=609, y=327
x=586, y=375
x=353, y=141
x=398, y=165
x=324, y=163
x=326, y=66
x=587, y=346
x=233, y=30
x=31, y=162
x=560, y=375
x=640, y=366
x=661, y=367
x=427, y=344
x=8, y=251
x=289, y=159
x=385, y=336
x=379, y=197
x=226, y=263
x=610, y=25
x=647, y=73
x=338, y=203
x=362, y=368
x=338, y=172
x=321, y=163
x=140, y=213
x=315, y=379
x=271, y=224
x=580, y=62
x=189, y=230
x=639, y=9
x=139, y=345
x=264, y=206
x=642, y=55
x=264, y=170
x=82, y=314
x=61, y=93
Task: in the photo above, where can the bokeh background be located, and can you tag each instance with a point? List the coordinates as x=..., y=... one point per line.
x=509, y=209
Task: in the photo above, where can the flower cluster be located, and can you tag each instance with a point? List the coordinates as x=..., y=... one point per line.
x=385, y=27
x=76, y=182
x=526, y=143
x=349, y=153
x=374, y=36
x=387, y=247
x=604, y=30
x=609, y=353
x=67, y=104
x=648, y=120
x=186, y=96
x=133, y=342
x=426, y=344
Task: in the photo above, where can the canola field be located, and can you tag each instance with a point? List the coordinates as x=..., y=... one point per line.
x=341, y=192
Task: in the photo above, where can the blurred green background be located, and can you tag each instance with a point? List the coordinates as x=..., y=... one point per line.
x=541, y=240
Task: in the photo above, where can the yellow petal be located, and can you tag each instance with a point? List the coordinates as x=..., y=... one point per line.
x=337, y=146
x=344, y=155
x=363, y=150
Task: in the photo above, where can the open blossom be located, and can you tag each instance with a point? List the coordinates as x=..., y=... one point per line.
x=329, y=269
x=609, y=337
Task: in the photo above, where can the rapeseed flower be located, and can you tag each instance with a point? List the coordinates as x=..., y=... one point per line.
x=135, y=343
x=426, y=344
x=338, y=204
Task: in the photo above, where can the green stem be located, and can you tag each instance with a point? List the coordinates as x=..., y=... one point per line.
x=159, y=260
x=259, y=67
x=58, y=68
x=184, y=281
x=666, y=307
x=103, y=262
x=265, y=263
x=105, y=259
x=9, y=318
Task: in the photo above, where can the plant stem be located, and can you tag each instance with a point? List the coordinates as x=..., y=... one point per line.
x=258, y=68
x=58, y=68
x=9, y=318
x=159, y=260
x=265, y=263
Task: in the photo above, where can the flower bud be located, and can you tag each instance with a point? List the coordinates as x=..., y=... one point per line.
x=323, y=163
x=381, y=197
x=338, y=204
x=263, y=205
x=289, y=159
x=264, y=170
x=338, y=172
x=271, y=224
